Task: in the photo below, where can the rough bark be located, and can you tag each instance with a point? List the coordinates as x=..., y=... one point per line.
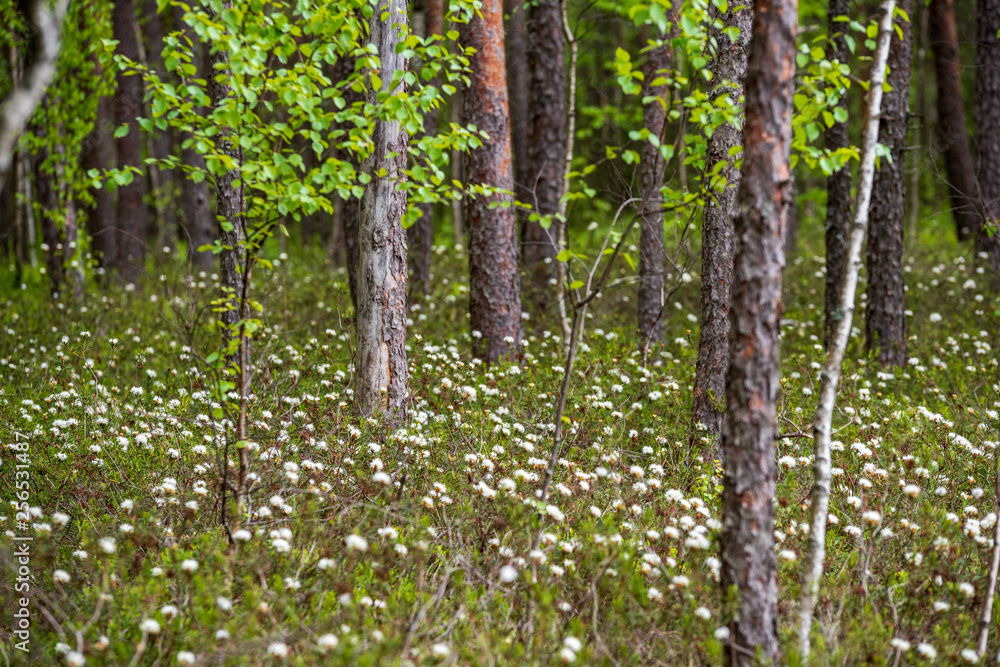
x=494, y=279
x=518, y=93
x=196, y=220
x=546, y=145
x=98, y=152
x=729, y=68
x=885, y=324
x=812, y=565
x=838, y=184
x=380, y=377
x=420, y=235
x=49, y=208
x=131, y=213
x=987, y=110
x=652, y=252
x=749, y=428
x=350, y=207
x=161, y=142
x=231, y=209
x=952, y=131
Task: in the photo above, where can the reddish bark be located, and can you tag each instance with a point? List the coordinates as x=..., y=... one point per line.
x=98, y=152
x=749, y=428
x=518, y=86
x=494, y=280
x=952, y=130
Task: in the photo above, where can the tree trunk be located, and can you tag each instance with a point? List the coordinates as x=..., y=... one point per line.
x=729, y=69
x=749, y=428
x=98, y=152
x=380, y=378
x=131, y=214
x=458, y=166
x=350, y=206
x=652, y=252
x=420, y=235
x=952, y=129
x=518, y=92
x=49, y=209
x=494, y=279
x=885, y=324
x=987, y=102
x=196, y=220
x=232, y=215
x=546, y=145
x=162, y=141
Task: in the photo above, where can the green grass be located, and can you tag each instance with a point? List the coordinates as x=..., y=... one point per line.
x=623, y=578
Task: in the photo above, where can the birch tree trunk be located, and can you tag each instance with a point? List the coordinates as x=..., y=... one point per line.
x=494, y=278
x=749, y=428
x=812, y=568
x=380, y=357
x=718, y=241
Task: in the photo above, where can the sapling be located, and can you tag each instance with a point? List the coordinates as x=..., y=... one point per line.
x=812, y=568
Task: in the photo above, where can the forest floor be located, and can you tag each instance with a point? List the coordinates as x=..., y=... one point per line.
x=416, y=546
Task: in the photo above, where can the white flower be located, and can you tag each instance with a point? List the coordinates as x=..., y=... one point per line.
x=934, y=319
x=440, y=650
x=278, y=649
x=189, y=565
x=186, y=658
x=926, y=649
x=970, y=656
x=150, y=626
x=356, y=543
x=108, y=545
x=325, y=563
x=912, y=490
x=788, y=554
x=242, y=535
x=508, y=574
x=573, y=644
x=872, y=518
x=900, y=643
x=328, y=641
x=225, y=604
x=680, y=581
x=554, y=512
x=722, y=633
x=75, y=659
x=966, y=589
x=567, y=655
x=654, y=594
x=703, y=613
x=61, y=576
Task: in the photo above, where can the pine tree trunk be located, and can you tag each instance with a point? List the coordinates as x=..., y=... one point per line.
x=98, y=152
x=546, y=145
x=749, y=428
x=162, y=141
x=885, y=324
x=196, y=220
x=518, y=93
x=718, y=241
x=420, y=235
x=652, y=252
x=494, y=279
x=952, y=130
x=838, y=184
x=987, y=102
x=380, y=378
x=132, y=216
x=231, y=211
